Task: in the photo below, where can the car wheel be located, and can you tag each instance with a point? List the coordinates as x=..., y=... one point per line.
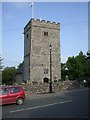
x=20, y=101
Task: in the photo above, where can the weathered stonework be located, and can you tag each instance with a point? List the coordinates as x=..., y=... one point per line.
x=37, y=52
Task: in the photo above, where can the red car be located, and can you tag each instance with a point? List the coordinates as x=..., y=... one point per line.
x=12, y=94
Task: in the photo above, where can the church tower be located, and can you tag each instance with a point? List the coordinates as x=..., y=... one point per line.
x=38, y=36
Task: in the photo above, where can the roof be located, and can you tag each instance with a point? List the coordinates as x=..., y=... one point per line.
x=20, y=70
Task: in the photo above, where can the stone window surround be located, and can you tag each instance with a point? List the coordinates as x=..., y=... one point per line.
x=45, y=33
x=45, y=71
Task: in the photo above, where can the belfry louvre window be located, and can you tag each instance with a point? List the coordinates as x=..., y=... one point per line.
x=27, y=35
x=45, y=33
x=45, y=71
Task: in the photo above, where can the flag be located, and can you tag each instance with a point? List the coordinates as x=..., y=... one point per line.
x=31, y=4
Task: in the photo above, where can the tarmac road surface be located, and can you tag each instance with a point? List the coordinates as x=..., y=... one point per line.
x=69, y=104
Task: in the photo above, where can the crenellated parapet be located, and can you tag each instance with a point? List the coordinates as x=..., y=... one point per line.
x=42, y=23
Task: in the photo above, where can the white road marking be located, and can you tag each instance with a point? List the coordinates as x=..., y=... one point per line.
x=40, y=106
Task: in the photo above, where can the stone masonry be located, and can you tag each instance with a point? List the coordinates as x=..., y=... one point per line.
x=38, y=35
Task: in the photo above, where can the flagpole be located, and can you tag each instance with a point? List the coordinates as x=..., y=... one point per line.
x=32, y=9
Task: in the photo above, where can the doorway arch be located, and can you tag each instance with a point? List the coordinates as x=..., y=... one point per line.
x=46, y=80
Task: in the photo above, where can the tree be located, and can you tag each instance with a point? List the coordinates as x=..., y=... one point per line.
x=78, y=67
x=8, y=75
x=1, y=60
x=20, y=65
x=82, y=66
x=1, y=67
x=88, y=56
x=63, y=71
x=71, y=65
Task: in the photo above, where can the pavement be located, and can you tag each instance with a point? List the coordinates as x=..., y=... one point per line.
x=44, y=95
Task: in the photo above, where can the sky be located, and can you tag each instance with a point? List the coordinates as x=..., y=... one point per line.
x=73, y=18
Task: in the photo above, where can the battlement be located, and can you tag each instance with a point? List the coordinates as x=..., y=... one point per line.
x=43, y=21
x=39, y=22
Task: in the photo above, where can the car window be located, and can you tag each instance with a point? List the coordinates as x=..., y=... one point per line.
x=14, y=90
x=0, y=91
x=5, y=91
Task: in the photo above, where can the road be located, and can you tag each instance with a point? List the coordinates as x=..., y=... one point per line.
x=70, y=104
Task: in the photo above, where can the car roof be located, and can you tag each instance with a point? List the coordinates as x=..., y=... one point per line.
x=10, y=86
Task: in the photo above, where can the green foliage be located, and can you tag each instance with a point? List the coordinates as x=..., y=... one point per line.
x=78, y=67
x=8, y=75
x=63, y=72
x=1, y=68
x=1, y=60
x=71, y=65
x=20, y=65
x=82, y=65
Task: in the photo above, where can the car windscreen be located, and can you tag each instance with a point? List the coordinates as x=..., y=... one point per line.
x=4, y=91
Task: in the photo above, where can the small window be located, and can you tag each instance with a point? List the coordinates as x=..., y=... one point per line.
x=45, y=71
x=27, y=35
x=14, y=90
x=5, y=91
x=46, y=33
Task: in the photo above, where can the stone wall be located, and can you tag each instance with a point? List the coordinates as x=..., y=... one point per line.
x=38, y=45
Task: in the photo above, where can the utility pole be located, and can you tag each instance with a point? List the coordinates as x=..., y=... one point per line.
x=50, y=87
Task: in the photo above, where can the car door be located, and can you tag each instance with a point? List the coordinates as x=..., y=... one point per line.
x=5, y=96
x=13, y=94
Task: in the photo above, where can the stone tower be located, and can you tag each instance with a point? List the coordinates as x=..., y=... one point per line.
x=38, y=35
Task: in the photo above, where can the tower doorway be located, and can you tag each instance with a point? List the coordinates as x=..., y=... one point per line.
x=45, y=80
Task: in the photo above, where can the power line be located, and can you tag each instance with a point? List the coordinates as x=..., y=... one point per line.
x=82, y=22
x=13, y=29
x=62, y=24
